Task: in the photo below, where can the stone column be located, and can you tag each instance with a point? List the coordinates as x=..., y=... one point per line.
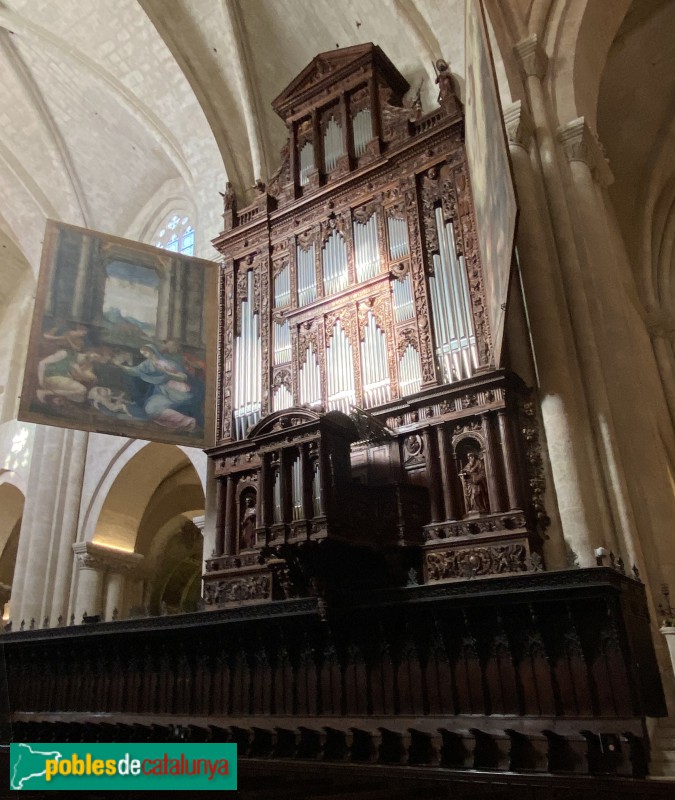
x=89, y=595
x=43, y=566
x=102, y=580
x=564, y=414
x=590, y=170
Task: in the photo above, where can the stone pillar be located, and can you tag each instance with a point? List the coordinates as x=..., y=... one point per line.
x=89, y=595
x=565, y=416
x=102, y=580
x=590, y=169
x=42, y=575
x=662, y=332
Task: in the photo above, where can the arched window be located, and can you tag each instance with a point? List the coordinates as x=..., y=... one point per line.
x=178, y=235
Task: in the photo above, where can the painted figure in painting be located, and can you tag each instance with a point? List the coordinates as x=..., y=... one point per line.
x=170, y=398
x=63, y=375
x=475, y=485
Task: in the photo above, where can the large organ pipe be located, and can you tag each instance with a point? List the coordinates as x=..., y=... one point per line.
x=333, y=144
x=398, y=237
x=451, y=308
x=296, y=487
x=410, y=371
x=404, y=305
x=341, y=393
x=362, y=127
x=306, y=275
x=374, y=364
x=334, y=259
x=366, y=251
x=306, y=162
x=310, y=380
x=282, y=287
x=282, y=342
x=281, y=398
x=248, y=362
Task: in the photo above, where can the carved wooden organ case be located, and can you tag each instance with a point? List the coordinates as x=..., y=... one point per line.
x=353, y=286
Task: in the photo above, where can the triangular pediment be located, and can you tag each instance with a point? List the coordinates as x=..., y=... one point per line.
x=330, y=66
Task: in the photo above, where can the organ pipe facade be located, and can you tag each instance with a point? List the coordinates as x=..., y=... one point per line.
x=353, y=287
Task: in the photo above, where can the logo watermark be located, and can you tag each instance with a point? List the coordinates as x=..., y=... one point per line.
x=127, y=766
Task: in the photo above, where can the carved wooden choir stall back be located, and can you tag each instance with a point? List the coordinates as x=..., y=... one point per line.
x=359, y=406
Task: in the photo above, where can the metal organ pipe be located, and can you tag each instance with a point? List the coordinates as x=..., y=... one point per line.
x=296, y=487
x=306, y=275
x=282, y=398
x=333, y=144
x=410, y=371
x=306, y=162
x=334, y=260
x=362, y=127
x=248, y=361
x=398, y=237
x=451, y=308
x=340, y=368
x=366, y=250
x=310, y=380
x=282, y=343
x=282, y=287
x=374, y=363
x=404, y=305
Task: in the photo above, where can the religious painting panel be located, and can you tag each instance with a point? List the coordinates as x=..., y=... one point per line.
x=122, y=340
x=490, y=170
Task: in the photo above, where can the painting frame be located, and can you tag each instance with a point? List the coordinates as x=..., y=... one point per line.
x=123, y=339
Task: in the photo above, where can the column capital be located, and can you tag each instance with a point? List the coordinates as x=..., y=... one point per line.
x=580, y=143
x=531, y=57
x=199, y=523
x=519, y=125
x=98, y=557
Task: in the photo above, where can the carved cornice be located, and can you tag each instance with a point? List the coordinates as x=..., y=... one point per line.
x=519, y=125
x=580, y=143
x=104, y=559
x=531, y=57
x=199, y=523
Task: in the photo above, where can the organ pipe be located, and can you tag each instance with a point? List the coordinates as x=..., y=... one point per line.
x=306, y=162
x=362, y=127
x=410, y=371
x=374, y=365
x=296, y=488
x=306, y=275
x=398, y=237
x=451, y=308
x=248, y=363
x=282, y=343
x=333, y=144
x=282, y=287
x=310, y=379
x=340, y=369
x=281, y=398
x=334, y=260
x=403, y=301
x=366, y=250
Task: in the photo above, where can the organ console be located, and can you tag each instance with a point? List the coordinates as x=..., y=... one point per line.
x=359, y=408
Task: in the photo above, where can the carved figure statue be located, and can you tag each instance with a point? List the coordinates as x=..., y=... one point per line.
x=475, y=484
x=247, y=525
x=229, y=197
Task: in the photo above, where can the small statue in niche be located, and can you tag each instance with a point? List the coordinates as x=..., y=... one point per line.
x=247, y=524
x=475, y=484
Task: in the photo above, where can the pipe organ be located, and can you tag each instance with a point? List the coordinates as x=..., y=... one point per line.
x=352, y=287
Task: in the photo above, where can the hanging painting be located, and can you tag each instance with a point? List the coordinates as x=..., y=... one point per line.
x=490, y=170
x=122, y=340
